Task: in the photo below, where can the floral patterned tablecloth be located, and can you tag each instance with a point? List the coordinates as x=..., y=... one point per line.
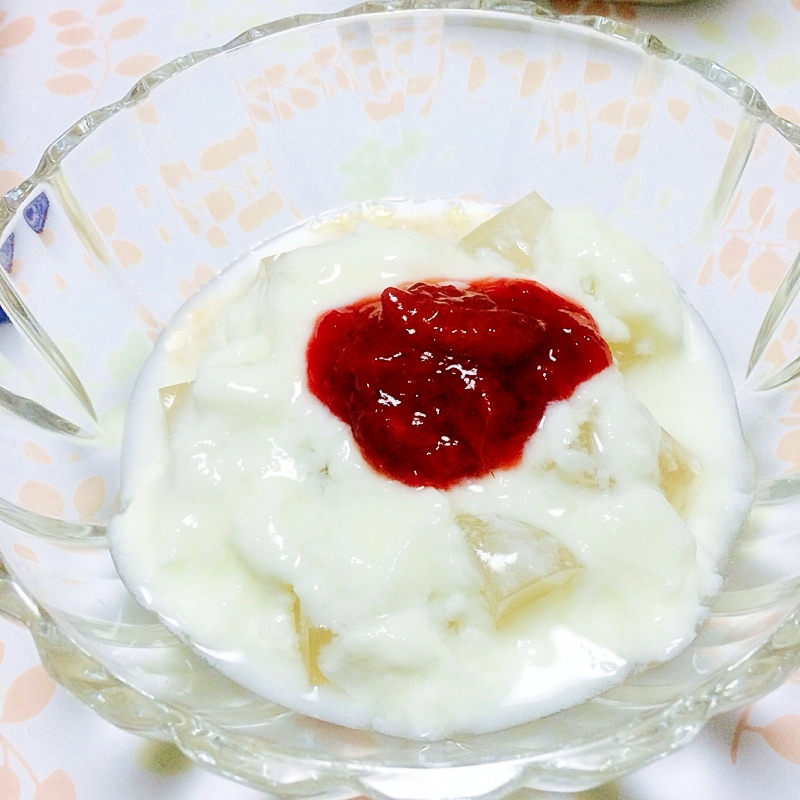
x=61, y=58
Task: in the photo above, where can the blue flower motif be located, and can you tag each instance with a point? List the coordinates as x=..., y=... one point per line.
x=35, y=212
x=7, y=253
x=3, y=316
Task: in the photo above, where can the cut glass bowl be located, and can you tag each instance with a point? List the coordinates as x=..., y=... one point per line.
x=138, y=204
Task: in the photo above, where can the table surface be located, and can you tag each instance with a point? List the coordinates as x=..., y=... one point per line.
x=61, y=58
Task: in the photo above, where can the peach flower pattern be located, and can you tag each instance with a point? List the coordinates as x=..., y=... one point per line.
x=14, y=32
x=90, y=52
x=782, y=735
x=749, y=242
x=25, y=698
x=249, y=198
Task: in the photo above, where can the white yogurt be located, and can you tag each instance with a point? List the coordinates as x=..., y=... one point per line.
x=254, y=499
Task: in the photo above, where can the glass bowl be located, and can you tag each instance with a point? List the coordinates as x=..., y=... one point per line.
x=141, y=202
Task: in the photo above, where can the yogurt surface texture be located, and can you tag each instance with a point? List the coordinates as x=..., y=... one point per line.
x=252, y=525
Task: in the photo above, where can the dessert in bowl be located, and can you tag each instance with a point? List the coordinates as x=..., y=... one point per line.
x=143, y=202
x=421, y=493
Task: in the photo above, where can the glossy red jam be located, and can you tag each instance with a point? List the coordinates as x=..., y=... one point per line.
x=440, y=384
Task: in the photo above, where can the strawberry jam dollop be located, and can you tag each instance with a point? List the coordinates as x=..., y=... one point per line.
x=442, y=383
